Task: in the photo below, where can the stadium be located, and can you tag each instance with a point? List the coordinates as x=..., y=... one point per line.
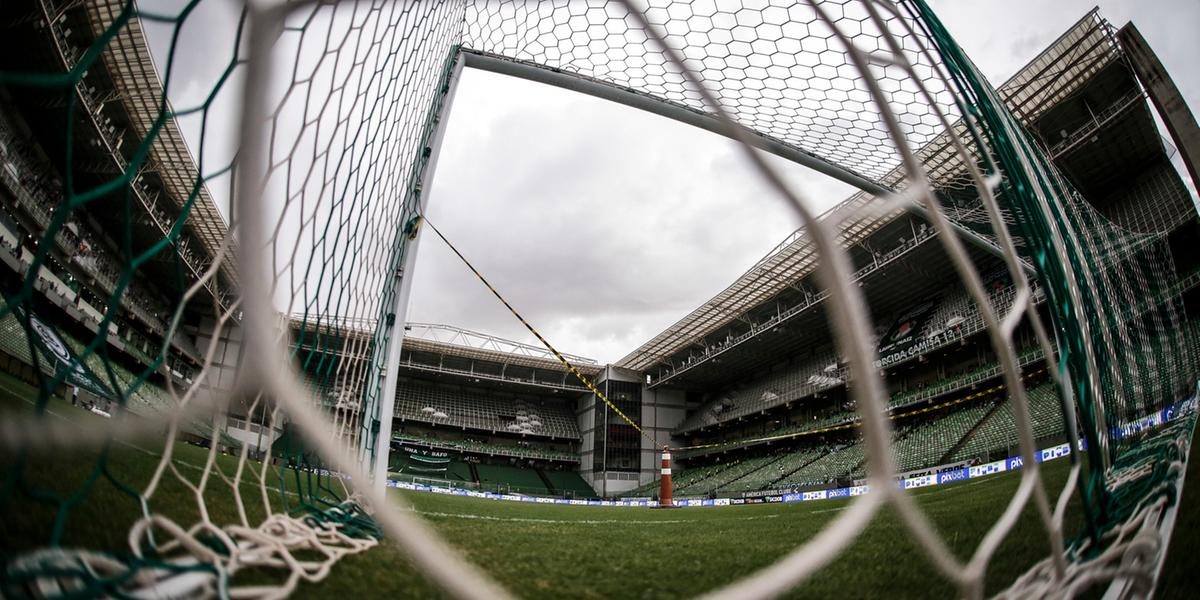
x=975, y=375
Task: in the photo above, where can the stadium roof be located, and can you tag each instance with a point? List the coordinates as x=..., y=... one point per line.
x=131, y=67
x=1056, y=72
x=481, y=346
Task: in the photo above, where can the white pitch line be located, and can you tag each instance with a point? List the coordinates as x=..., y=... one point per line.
x=584, y=521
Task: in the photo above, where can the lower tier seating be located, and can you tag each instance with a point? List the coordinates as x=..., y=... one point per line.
x=999, y=431
x=728, y=475
x=924, y=445
x=837, y=462
x=512, y=478
x=569, y=482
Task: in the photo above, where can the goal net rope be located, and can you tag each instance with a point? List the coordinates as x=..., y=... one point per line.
x=268, y=189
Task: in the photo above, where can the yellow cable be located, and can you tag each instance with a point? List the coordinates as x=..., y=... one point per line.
x=571, y=368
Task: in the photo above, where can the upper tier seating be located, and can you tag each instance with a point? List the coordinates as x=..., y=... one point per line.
x=954, y=310
x=815, y=375
x=416, y=401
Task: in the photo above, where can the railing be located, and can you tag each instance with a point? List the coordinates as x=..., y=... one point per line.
x=488, y=449
x=92, y=107
x=408, y=363
x=810, y=300
x=846, y=419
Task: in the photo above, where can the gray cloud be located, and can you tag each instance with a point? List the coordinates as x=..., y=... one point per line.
x=604, y=225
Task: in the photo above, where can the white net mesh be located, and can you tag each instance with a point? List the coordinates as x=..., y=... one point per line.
x=297, y=301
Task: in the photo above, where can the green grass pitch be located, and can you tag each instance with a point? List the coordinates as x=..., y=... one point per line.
x=556, y=551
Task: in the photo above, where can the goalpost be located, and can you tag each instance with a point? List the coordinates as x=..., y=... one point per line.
x=301, y=284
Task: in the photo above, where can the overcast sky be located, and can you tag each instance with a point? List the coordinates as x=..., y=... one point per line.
x=604, y=225
x=601, y=223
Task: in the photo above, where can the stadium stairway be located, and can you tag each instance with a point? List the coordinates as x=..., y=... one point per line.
x=545, y=480
x=474, y=472
x=949, y=455
x=734, y=472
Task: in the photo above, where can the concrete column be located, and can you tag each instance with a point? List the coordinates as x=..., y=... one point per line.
x=1166, y=98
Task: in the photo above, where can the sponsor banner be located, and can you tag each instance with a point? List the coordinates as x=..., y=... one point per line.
x=1058, y=451
x=904, y=330
x=919, y=482
x=947, y=476
x=952, y=475
x=1155, y=419
x=427, y=453
x=761, y=493
x=66, y=365
x=987, y=469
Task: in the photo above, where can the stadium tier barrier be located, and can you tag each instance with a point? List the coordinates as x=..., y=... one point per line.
x=486, y=448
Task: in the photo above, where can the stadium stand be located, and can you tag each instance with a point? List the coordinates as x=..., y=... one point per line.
x=922, y=446
x=998, y=431
x=12, y=339
x=511, y=478
x=954, y=317
x=426, y=403
x=838, y=462
x=692, y=476
x=490, y=449
x=568, y=483
x=726, y=476
x=819, y=373
x=790, y=463
x=958, y=381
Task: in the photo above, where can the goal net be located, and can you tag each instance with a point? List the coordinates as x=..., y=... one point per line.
x=223, y=205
